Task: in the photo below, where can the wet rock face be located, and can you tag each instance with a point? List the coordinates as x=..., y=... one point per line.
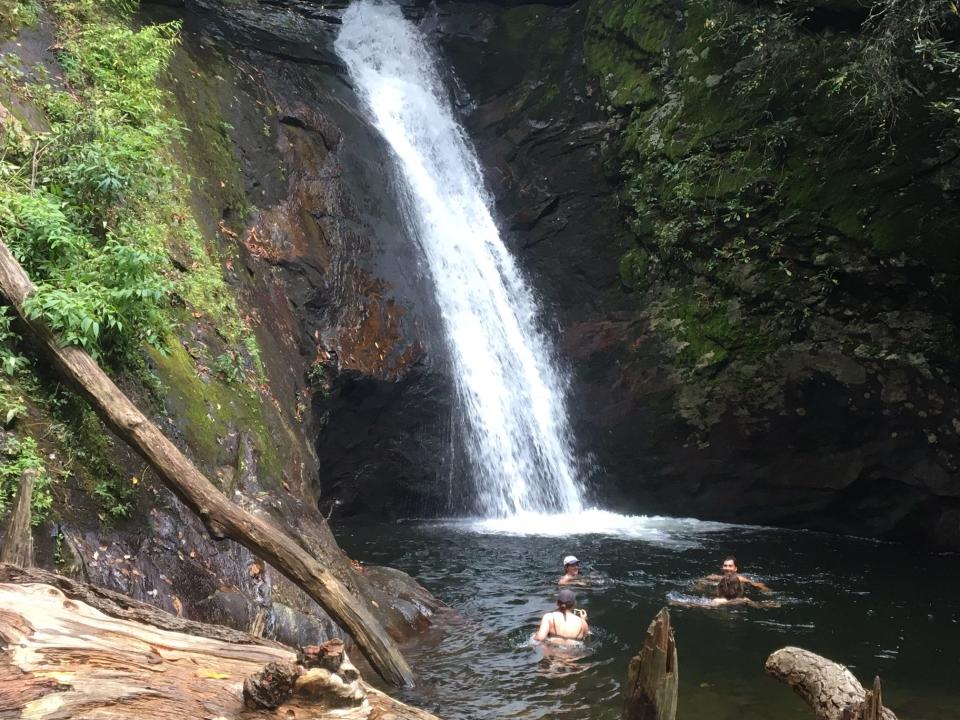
x=330, y=233
x=843, y=423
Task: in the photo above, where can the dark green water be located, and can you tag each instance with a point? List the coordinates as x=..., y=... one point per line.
x=878, y=608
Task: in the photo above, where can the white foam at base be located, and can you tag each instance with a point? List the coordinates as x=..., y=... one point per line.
x=594, y=521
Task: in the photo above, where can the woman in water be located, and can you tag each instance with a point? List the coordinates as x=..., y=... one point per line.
x=563, y=626
x=729, y=592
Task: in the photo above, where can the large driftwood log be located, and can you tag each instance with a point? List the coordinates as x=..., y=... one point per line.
x=123, y=607
x=222, y=518
x=651, y=688
x=17, y=545
x=828, y=687
x=64, y=659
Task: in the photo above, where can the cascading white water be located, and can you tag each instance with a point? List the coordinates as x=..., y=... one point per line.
x=510, y=390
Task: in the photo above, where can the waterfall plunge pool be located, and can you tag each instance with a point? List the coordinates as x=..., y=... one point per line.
x=878, y=608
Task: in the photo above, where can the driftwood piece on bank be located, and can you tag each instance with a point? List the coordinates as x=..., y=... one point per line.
x=66, y=660
x=222, y=518
x=123, y=607
x=872, y=707
x=828, y=687
x=17, y=545
x=651, y=688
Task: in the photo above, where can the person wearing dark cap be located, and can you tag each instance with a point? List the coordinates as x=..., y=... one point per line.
x=571, y=571
x=563, y=624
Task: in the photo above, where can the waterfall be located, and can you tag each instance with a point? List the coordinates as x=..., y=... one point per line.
x=509, y=389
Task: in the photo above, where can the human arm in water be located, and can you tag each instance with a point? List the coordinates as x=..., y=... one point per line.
x=762, y=604
x=705, y=583
x=758, y=584
x=586, y=627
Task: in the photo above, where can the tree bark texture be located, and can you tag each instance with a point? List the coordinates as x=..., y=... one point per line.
x=63, y=659
x=222, y=518
x=828, y=687
x=17, y=545
x=651, y=687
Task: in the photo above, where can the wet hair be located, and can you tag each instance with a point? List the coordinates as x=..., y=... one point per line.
x=730, y=587
x=731, y=558
x=566, y=600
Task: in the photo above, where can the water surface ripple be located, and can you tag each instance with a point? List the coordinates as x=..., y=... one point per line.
x=879, y=608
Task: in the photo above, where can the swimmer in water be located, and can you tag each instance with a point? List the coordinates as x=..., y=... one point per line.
x=729, y=567
x=571, y=572
x=565, y=625
x=729, y=592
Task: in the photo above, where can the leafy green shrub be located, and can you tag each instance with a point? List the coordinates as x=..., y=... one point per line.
x=230, y=366
x=908, y=54
x=91, y=223
x=17, y=456
x=14, y=13
x=11, y=361
x=88, y=288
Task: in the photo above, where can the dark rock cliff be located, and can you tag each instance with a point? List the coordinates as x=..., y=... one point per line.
x=751, y=290
x=780, y=344
x=752, y=294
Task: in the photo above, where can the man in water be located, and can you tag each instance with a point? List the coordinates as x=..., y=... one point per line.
x=729, y=567
x=571, y=572
x=565, y=625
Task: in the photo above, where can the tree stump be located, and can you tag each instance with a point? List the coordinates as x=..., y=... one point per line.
x=17, y=545
x=829, y=688
x=651, y=687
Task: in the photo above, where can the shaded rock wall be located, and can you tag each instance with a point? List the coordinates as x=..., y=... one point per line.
x=748, y=290
x=790, y=266
x=378, y=395
x=752, y=291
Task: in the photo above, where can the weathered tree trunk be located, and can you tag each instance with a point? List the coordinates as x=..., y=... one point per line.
x=67, y=660
x=828, y=687
x=17, y=545
x=651, y=688
x=222, y=518
x=122, y=607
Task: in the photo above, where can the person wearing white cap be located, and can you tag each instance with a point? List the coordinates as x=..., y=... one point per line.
x=571, y=571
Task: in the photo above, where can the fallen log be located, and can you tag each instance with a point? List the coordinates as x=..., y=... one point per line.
x=123, y=607
x=65, y=659
x=650, y=692
x=829, y=688
x=222, y=518
x=17, y=545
